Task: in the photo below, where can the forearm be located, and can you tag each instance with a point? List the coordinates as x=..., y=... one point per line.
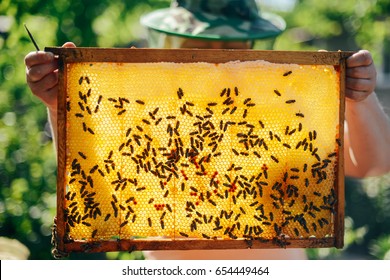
x=368, y=149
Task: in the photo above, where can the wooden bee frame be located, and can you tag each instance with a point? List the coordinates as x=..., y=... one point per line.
x=64, y=243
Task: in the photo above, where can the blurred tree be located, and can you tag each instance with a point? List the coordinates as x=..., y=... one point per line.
x=338, y=25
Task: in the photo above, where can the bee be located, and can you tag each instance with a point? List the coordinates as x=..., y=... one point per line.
x=274, y=159
x=265, y=173
x=287, y=73
x=205, y=236
x=290, y=101
x=332, y=155
x=121, y=112
x=90, y=131
x=287, y=145
x=121, y=147
x=225, y=111
x=189, y=113
x=292, y=132
x=298, y=145
x=86, y=224
x=228, y=92
x=127, y=215
x=235, y=152
x=223, y=92
x=277, y=92
x=277, y=229
x=261, y=124
x=306, y=182
x=244, y=115
x=123, y=224
x=81, y=80
x=140, y=102
x=236, y=91
x=311, y=214
x=300, y=115
x=83, y=155
x=180, y=93
x=212, y=202
x=81, y=106
x=300, y=127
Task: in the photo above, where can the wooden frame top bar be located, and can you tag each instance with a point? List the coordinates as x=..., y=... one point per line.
x=195, y=55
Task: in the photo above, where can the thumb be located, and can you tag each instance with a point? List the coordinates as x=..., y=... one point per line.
x=69, y=45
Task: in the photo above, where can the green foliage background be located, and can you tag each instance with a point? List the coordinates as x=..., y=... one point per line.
x=27, y=157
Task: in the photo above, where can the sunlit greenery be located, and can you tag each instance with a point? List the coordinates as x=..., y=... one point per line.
x=27, y=157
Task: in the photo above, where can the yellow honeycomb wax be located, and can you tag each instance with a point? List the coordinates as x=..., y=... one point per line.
x=201, y=150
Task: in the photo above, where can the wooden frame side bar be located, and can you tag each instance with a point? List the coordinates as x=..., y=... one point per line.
x=61, y=154
x=340, y=174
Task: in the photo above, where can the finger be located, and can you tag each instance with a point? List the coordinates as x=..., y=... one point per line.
x=47, y=83
x=361, y=58
x=365, y=72
x=364, y=85
x=35, y=58
x=39, y=71
x=356, y=95
x=69, y=45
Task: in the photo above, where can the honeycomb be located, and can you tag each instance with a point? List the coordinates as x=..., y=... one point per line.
x=233, y=150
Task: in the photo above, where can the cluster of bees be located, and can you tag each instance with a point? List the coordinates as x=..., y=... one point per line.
x=216, y=168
